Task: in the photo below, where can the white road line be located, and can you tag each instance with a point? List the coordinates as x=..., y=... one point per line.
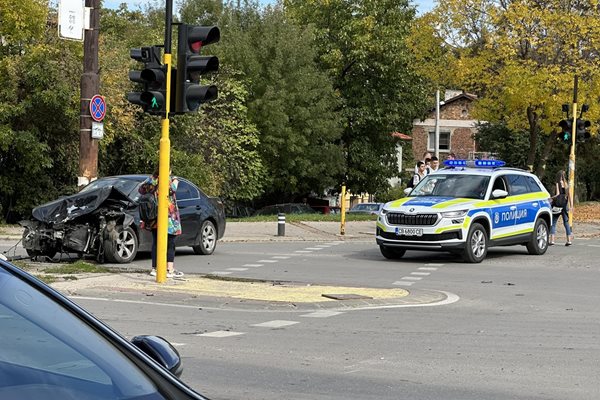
x=252, y=265
x=313, y=248
x=411, y=278
x=324, y=246
x=450, y=298
x=302, y=251
x=403, y=283
x=221, y=334
x=593, y=245
x=281, y=257
x=267, y=261
x=427, y=268
x=322, y=314
x=434, y=265
x=421, y=273
x=237, y=269
x=276, y=324
x=221, y=272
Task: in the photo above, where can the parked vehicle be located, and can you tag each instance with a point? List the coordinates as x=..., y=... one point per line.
x=366, y=208
x=286, y=208
x=55, y=350
x=327, y=209
x=103, y=220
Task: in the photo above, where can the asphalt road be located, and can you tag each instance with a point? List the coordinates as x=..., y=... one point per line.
x=516, y=326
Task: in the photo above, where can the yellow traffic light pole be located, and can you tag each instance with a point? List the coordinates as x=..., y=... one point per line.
x=572, y=155
x=164, y=161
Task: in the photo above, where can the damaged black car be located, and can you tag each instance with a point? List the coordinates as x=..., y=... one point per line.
x=103, y=221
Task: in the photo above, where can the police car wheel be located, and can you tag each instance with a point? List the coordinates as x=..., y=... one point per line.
x=539, y=238
x=476, y=245
x=391, y=253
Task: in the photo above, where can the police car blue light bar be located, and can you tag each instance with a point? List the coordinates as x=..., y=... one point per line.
x=475, y=163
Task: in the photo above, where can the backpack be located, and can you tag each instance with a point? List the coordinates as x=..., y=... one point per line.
x=148, y=208
x=411, y=182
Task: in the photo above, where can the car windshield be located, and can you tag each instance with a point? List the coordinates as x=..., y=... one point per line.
x=453, y=185
x=367, y=207
x=48, y=353
x=127, y=186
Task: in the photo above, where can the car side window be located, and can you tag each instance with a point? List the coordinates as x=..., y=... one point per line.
x=533, y=185
x=183, y=191
x=518, y=185
x=499, y=184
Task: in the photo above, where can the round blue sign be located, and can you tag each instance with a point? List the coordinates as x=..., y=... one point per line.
x=98, y=108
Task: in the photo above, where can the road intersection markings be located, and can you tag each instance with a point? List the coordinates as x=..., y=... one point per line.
x=411, y=278
x=221, y=273
x=403, y=283
x=276, y=324
x=314, y=248
x=267, y=261
x=302, y=251
x=281, y=257
x=322, y=314
x=252, y=265
x=427, y=268
x=221, y=334
x=434, y=265
x=415, y=273
x=237, y=269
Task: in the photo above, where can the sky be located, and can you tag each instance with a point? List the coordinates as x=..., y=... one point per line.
x=422, y=5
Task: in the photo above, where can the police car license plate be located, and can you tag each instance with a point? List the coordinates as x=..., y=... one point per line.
x=409, y=231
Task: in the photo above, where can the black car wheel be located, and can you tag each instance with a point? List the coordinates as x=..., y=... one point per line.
x=539, y=238
x=208, y=239
x=476, y=245
x=391, y=253
x=124, y=248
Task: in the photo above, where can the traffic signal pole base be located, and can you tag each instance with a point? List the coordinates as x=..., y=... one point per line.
x=163, y=202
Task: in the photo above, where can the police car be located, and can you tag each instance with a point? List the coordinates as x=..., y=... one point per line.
x=466, y=208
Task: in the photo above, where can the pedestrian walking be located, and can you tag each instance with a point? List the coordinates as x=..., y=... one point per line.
x=150, y=185
x=561, y=204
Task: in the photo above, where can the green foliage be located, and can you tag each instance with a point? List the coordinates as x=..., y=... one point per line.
x=291, y=102
x=362, y=45
x=391, y=194
x=511, y=146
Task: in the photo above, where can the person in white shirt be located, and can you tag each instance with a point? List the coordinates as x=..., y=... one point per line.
x=426, y=155
x=420, y=174
x=434, y=165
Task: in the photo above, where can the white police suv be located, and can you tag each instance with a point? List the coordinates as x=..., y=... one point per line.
x=466, y=208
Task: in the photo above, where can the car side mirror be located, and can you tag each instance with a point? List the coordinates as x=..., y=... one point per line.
x=161, y=351
x=499, y=194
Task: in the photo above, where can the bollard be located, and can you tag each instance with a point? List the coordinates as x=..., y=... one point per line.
x=281, y=224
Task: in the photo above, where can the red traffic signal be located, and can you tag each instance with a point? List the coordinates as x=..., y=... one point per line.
x=191, y=66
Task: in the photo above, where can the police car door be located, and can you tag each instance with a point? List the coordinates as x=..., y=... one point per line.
x=527, y=207
x=503, y=211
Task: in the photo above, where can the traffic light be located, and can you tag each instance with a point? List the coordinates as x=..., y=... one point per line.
x=583, y=134
x=191, y=66
x=152, y=78
x=567, y=130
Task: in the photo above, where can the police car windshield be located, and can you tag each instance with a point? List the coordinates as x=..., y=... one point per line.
x=451, y=185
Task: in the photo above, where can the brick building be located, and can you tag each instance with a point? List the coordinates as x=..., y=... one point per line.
x=456, y=128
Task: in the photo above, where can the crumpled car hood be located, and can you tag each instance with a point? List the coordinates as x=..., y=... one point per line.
x=74, y=206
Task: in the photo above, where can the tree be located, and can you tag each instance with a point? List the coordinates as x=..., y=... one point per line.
x=362, y=46
x=291, y=102
x=520, y=58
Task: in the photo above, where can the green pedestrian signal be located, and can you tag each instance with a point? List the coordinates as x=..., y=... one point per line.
x=152, y=78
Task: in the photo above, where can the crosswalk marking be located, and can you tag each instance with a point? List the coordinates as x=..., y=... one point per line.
x=252, y=265
x=237, y=269
x=221, y=334
x=276, y=324
x=267, y=261
x=403, y=283
x=421, y=273
x=313, y=248
x=221, y=272
x=303, y=251
x=322, y=314
x=434, y=265
x=428, y=269
x=411, y=278
x=281, y=257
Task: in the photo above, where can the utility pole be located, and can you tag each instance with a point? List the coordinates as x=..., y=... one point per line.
x=572, y=155
x=90, y=86
x=437, y=124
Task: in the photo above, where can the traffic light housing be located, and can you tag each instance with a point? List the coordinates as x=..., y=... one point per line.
x=583, y=134
x=189, y=93
x=152, y=78
x=566, y=131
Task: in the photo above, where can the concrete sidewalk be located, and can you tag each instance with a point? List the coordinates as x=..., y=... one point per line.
x=314, y=231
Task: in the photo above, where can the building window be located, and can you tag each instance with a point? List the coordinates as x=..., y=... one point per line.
x=444, y=141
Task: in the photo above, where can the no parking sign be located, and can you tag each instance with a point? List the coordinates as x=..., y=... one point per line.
x=97, y=108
